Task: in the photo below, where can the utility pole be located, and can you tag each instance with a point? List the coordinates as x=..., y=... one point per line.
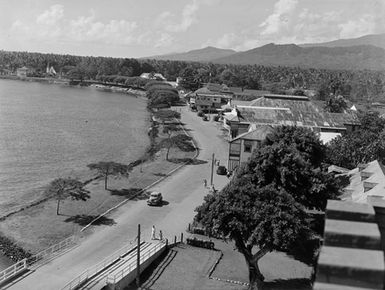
x=212, y=169
x=138, y=260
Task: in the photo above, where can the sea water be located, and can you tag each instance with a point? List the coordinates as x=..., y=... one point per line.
x=50, y=131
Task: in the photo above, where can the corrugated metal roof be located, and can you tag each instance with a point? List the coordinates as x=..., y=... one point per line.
x=301, y=111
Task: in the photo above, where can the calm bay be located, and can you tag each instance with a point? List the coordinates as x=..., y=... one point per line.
x=50, y=131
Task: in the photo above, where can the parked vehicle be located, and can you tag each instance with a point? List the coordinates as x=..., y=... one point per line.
x=221, y=170
x=155, y=198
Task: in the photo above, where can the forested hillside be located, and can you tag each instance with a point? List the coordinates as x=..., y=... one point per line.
x=354, y=85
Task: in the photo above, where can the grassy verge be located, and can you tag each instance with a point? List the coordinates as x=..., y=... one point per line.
x=37, y=226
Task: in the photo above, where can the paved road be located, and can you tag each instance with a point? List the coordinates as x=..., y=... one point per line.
x=184, y=191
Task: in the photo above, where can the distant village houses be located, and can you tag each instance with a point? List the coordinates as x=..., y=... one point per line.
x=210, y=98
x=22, y=72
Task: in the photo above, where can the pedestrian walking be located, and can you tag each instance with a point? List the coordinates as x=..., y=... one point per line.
x=160, y=235
x=205, y=182
x=153, y=231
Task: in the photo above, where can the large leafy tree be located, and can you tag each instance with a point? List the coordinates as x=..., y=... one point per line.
x=63, y=188
x=264, y=206
x=258, y=219
x=110, y=168
x=292, y=158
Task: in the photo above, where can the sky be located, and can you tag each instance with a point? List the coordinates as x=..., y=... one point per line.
x=139, y=28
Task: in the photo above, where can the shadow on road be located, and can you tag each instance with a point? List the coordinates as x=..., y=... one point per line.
x=84, y=220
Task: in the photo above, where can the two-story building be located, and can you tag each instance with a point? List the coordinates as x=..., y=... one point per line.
x=242, y=146
x=211, y=97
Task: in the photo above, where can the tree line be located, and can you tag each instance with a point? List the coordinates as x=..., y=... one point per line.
x=354, y=85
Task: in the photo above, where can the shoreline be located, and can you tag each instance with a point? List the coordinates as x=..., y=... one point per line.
x=13, y=249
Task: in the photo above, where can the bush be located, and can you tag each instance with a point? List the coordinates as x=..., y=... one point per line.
x=200, y=114
x=200, y=243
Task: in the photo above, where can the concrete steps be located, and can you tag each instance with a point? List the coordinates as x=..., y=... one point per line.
x=352, y=256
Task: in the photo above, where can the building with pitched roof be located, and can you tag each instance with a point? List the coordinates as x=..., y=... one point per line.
x=277, y=110
x=242, y=146
x=367, y=182
x=211, y=97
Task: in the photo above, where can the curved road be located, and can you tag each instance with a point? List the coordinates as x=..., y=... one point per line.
x=183, y=190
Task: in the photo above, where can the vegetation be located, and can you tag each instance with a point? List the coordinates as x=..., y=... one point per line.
x=63, y=188
x=165, y=115
x=264, y=206
x=335, y=104
x=361, y=146
x=353, y=85
x=109, y=168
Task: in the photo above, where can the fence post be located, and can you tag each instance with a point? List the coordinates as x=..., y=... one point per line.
x=181, y=237
x=166, y=243
x=189, y=227
x=174, y=239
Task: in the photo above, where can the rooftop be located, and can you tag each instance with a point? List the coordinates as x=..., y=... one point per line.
x=367, y=180
x=258, y=133
x=294, y=111
x=214, y=89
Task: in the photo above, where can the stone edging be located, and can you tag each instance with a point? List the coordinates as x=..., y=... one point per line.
x=220, y=279
x=147, y=187
x=230, y=281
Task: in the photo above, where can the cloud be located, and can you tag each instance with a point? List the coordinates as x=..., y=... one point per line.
x=188, y=16
x=113, y=32
x=367, y=24
x=53, y=25
x=164, y=40
x=51, y=16
x=280, y=18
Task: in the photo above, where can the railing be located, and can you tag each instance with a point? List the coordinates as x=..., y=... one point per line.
x=84, y=276
x=13, y=270
x=54, y=248
x=23, y=264
x=111, y=279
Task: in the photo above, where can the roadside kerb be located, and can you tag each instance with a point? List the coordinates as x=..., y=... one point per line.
x=149, y=186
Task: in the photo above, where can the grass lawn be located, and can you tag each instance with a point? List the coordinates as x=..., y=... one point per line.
x=280, y=270
x=184, y=268
x=38, y=227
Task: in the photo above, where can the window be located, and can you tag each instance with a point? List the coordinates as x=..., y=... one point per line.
x=246, y=146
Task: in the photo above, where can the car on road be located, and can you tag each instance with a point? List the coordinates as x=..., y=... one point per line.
x=155, y=198
x=221, y=170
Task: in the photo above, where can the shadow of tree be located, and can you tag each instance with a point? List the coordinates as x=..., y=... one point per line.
x=160, y=174
x=84, y=220
x=142, y=196
x=280, y=284
x=189, y=160
x=130, y=192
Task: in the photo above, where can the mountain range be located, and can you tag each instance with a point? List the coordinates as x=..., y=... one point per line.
x=366, y=52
